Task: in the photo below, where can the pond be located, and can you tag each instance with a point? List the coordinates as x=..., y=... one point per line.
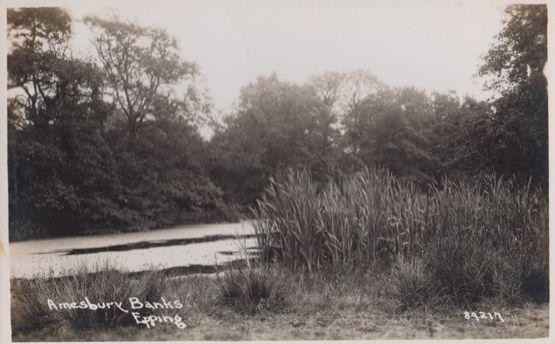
x=193, y=246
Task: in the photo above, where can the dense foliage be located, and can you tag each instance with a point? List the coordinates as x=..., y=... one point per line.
x=80, y=161
x=113, y=142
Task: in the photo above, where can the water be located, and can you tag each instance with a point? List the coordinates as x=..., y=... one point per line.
x=164, y=248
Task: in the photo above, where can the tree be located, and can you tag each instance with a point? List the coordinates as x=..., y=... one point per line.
x=139, y=63
x=39, y=39
x=519, y=52
x=161, y=173
x=276, y=126
x=41, y=66
x=72, y=169
x=514, y=65
x=460, y=131
x=343, y=92
x=58, y=160
x=391, y=128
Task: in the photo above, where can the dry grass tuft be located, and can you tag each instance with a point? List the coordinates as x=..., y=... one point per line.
x=101, y=283
x=251, y=289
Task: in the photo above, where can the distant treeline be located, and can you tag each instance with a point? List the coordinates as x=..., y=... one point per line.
x=112, y=141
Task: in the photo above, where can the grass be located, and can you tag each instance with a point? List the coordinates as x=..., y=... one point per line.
x=98, y=283
x=462, y=240
x=413, y=285
x=319, y=305
x=251, y=289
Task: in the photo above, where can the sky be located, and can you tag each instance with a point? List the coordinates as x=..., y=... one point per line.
x=431, y=45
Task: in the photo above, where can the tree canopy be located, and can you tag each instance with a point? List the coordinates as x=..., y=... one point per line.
x=515, y=64
x=276, y=126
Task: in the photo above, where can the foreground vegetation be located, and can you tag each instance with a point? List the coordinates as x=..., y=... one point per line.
x=455, y=239
x=274, y=303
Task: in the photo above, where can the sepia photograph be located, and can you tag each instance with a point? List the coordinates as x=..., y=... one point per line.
x=248, y=170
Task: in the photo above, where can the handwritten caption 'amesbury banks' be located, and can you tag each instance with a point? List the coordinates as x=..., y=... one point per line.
x=133, y=306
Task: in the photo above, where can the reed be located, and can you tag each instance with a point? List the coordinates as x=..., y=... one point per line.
x=487, y=237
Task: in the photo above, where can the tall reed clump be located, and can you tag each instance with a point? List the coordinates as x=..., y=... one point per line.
x=474, y=239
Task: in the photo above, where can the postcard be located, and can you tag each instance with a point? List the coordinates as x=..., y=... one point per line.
x=275, y=170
